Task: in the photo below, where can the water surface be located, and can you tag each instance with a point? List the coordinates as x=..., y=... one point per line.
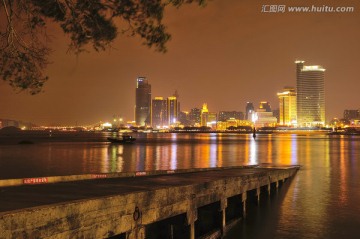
x=322, y=201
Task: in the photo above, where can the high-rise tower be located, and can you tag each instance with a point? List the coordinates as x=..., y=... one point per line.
x=204, y=115
x=159, y=112
x=310, y=85
x=287, y=106
x=172, y=110
x=142, y=101
x=249, y=109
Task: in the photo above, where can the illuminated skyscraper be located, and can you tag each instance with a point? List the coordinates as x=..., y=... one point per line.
x=195, y=116
x=159, y=112
x=172, y=110
x=249, y=110
x=184, y=118
x=204, y=115
x=351, y=114
x=287, y=106
x=310, y=85
x=142, y=101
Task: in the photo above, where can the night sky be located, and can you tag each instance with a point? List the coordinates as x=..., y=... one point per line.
x=224, y=54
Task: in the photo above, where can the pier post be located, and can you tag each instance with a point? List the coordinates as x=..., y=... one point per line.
x=191, y=215
x=258, y=194
x=192, y=230
x=269, y=189
x=243, y=199
x=223, y=205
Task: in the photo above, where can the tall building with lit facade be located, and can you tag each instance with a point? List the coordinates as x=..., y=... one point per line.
x=204, y=115
x=172, y=110
x=263, y=118
x=276, y=114
x=351, y=114
x=195, y=116
x=249, y=109
x=184, y=118
x=159, y=112
x=142, y=101
x=265, y=105
x=310, y=86
x=287, y=107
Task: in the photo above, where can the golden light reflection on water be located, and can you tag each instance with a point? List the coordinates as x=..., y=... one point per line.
x=253, y=152
x=219, y=155
x=343, y=192
x=307, y=195
x=115, y=159
x=269, y=156
x=285, y=149
x=218, y=150
x=319, y=196
x=246, y=152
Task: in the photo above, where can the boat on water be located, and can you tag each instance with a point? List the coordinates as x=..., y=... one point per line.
x=126, y=139
x=346, y=131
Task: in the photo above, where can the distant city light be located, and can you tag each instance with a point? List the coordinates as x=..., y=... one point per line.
x=254, y=117
x=313, y=68
x=106, y=125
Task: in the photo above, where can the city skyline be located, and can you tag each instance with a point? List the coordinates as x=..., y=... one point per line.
x=287, y=104
x=224, y=54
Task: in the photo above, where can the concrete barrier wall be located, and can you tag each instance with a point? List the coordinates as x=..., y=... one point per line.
x=80, y=177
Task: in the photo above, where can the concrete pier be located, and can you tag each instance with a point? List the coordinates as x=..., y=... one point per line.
x=177, y=205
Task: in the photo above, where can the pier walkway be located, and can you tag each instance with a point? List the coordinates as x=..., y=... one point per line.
x=180, y=205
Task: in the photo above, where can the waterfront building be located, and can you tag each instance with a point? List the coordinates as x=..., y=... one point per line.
x=234, y=123
x=172, y=110
x=221, y=126
x=159, y=113
x=142, y=101
x=225, y=115
x=16, y=123
x=265, y=105
x=287, y=106
x=264, y=119
x=276, y=114
x=212, y=120
x=351, y=114
x=195, y=116
x=212, y=117
x=8, y=123
x=204, y=115
x=184, y=118
x=249, y=110
x=310, y=85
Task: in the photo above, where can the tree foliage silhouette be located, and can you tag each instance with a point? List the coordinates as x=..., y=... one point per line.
x=24, y=50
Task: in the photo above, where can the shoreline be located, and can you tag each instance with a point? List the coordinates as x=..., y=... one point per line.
x=27, y=136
